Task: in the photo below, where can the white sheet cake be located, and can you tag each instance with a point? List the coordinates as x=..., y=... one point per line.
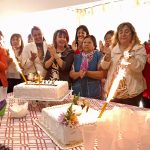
x=64, y=134
x=43, y=91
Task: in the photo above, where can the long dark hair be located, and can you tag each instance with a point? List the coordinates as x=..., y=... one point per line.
x=85, y=29
x=1, y=34
x=19, y=37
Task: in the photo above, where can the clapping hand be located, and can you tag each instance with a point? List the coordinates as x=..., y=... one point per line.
x=51, y=49
x=82, y=73
x=33, y=56
x=74, y=45
x=101, y=46
x=148, y=58
x=107, y=57
x=104, y=48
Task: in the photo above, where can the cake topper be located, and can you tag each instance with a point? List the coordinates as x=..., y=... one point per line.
x=53, y=82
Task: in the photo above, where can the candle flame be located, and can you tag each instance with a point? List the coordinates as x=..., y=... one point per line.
x=12, y=55
x=120, y=75
x=140, y=104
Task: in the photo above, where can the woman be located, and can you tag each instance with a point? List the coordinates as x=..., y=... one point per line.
x=85, y=74
x=3, y=77
x=81, y=32
x=30, y=38
x=3, y=63
x=34, y=53
x=13, y=75
x=106, y=49
x=133, y=84
x=108, y=41
x=59, y=57
x=146, y=73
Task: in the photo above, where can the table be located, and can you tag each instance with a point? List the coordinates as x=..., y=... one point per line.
x=24, y=134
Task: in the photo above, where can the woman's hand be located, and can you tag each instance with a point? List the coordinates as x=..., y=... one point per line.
x=107, y=57
x=33, y=56
x=148, y=58
x=74, y=45
x=52, y=49
x=82, y=73
x=101, y=46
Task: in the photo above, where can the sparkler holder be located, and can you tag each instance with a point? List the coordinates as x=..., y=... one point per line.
x=24, y=78
x=103, y=109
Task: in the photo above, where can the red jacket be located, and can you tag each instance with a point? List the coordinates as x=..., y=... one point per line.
x=3, y=67
x=146, y=73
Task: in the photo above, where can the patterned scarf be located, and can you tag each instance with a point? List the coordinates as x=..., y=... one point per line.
x=86, y=58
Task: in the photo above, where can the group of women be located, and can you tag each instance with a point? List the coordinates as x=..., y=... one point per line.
x=89, y=71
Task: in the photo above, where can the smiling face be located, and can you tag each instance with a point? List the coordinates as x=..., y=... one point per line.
x=81, y=34
x=16, y=42
x=88, y=45
x=37, y=36
x=61, y=40
x=108, y=40
x=124, y=35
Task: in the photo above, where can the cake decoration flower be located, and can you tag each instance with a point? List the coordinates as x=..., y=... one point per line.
x=83, y=103
x=70, y=117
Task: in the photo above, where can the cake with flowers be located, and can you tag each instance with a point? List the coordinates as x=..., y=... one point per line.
x=66, y=121
x=43, y=90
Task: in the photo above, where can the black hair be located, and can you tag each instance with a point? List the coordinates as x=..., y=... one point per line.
x=84, y=29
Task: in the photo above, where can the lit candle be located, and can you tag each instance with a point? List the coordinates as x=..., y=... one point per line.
x=115, y=84
x=103, y=109
x=24, y=78
x=141, y=104
x=38, y=77
x=121, y=73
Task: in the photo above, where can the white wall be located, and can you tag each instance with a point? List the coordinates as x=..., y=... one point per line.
x=102, y=20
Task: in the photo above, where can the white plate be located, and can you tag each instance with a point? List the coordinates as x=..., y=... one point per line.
x=60, y=145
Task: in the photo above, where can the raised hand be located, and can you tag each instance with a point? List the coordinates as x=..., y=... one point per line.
x=74, y=45
x=51, y=49
x=101, y=46
x=33, y=56
x=107, y=57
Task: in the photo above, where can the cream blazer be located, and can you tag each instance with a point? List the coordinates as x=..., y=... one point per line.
x=29, y=66
x=134, y=77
